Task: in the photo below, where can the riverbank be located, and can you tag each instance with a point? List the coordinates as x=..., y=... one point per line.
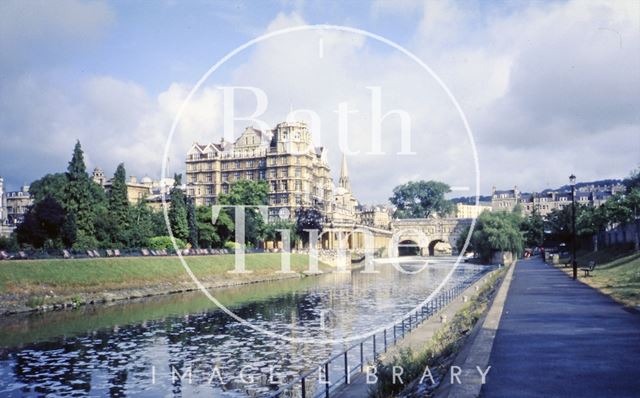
x=431, y=345
x=617, y=274
x=43, y=285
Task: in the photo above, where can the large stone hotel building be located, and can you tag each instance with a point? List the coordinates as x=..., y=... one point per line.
x=297, y=172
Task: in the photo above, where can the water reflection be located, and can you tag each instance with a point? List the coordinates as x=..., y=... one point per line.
x=183, y=345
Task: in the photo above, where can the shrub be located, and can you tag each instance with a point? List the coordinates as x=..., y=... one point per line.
x=231, y=245
x=164, y=242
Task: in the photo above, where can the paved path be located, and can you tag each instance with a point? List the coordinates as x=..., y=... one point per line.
x=560, y=338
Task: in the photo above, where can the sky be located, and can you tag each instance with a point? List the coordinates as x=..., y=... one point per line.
x=546, y=89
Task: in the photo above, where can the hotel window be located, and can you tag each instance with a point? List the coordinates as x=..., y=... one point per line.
x=237, y=164
x=225, y=188
x=209, y=177
x=298, y=199
x=274, y=186
x=237, y=175
x=209, y=190
x=225, y=176
x=262, y=175
x=248, y=175
x=249, y=163
x=298, y=171
x=273, y=173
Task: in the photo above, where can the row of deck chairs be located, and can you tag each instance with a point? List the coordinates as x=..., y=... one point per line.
x=116, y=253
x=147, y=252
x=94, y=253
x=19, y=256
x=203, y=252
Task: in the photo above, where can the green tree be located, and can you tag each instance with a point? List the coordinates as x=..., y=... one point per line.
x=9, y=243
x=119, y=207
x=308, y=218
x=192, y=223
x=248, y=193
x=462, y=239
x=52, y=185
x=141, y=225
x=43, y=225
x=271, y=231
x=213, y=235
x=421, y=199
x=533, y=229
x=633, y=181
x=81, y=198
x=178, y=211
x=558, y=223
x=495, y=231
x=624, y=209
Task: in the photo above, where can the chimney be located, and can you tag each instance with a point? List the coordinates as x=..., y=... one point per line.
x=133, y=179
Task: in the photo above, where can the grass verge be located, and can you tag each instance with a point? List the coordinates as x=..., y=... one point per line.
x=439, y=352
x=37, y=282
x=617, y=274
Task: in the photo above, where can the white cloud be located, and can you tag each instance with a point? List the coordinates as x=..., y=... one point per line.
x=41, y=29
x=549, y=89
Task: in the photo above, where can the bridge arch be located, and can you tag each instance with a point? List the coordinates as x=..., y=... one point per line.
x=434, y=231
x=408, y=247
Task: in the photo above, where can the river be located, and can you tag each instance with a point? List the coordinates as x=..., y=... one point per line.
x=144, y=347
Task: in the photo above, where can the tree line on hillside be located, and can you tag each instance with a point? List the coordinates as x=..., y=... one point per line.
x=70, y=210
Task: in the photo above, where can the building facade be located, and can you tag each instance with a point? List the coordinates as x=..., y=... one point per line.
x=17, y=203
x=545, y=202
x=375, y=216
x=297, y=172
x=464, y=210
x=145, y=189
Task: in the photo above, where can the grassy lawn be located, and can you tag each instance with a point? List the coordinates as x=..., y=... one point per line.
x=617, y=274
x=90, y=275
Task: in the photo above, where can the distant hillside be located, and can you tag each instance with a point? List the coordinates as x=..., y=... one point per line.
x=585, y=184
x=471, y=200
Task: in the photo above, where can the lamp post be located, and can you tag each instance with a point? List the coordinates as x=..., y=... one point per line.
x=572, y=180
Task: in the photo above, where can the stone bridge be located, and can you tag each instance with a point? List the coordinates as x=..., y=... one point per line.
x=418, y=236
x=414, y=236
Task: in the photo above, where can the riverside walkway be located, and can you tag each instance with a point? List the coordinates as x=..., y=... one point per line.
x=560, y=338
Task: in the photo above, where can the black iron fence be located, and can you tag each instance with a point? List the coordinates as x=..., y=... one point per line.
x=338, y=369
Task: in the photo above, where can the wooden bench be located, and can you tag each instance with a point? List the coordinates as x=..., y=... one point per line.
x=589, y=268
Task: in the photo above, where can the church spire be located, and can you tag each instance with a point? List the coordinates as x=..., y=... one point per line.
x=344, y=175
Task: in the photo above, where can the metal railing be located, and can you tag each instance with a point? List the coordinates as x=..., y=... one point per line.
x=338, y=369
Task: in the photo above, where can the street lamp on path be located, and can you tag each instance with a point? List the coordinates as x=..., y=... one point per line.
x=574, y=263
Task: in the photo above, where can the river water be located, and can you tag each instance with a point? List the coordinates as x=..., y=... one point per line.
x=143, y=348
